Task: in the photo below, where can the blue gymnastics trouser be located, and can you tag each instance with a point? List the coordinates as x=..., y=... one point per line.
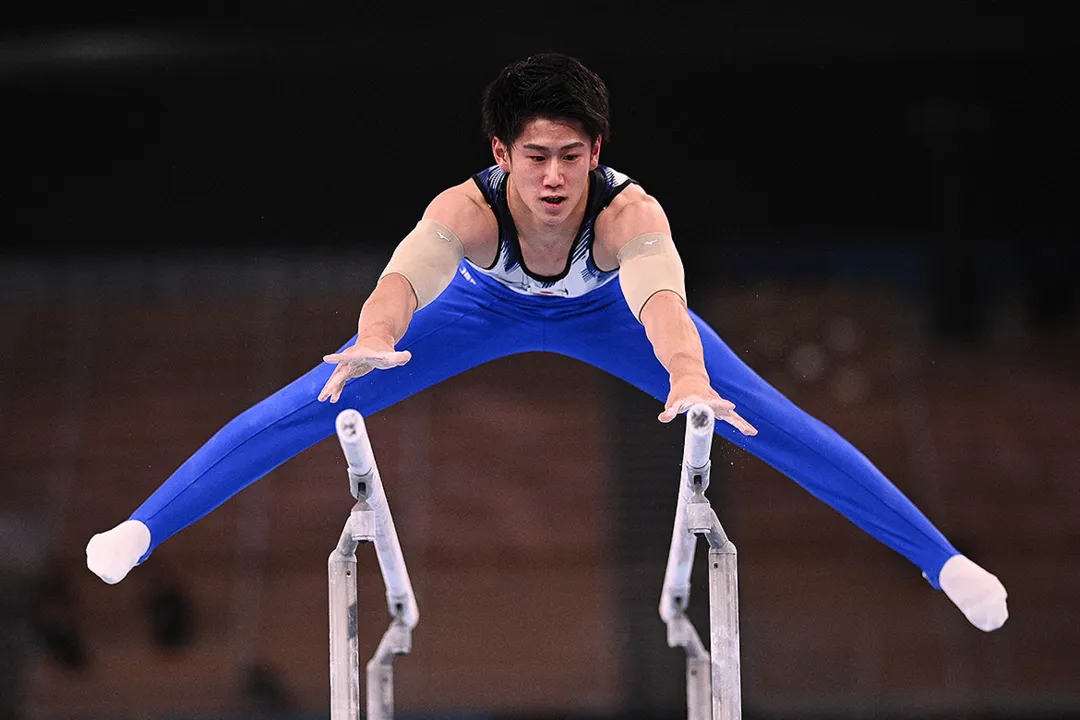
x=476, y=320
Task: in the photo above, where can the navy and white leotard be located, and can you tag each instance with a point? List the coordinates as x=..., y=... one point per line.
x=581, y=275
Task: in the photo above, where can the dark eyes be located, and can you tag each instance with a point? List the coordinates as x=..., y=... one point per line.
x=540, y=158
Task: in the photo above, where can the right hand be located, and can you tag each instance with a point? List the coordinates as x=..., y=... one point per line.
x=111, y=555
x=365, y=355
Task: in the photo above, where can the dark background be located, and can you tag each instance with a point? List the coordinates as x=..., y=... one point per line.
x=289, y=128
x=927, y=151
x=769, y=131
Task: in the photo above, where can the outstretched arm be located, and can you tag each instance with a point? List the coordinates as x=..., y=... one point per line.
x=677, y=345
x=454, y=225
x=639, y=237
x=383, y=321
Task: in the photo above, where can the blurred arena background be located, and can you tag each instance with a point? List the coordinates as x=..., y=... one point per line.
x=876, y=207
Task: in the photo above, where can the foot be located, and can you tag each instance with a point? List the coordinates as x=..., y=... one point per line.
x=111, y=555
x=978, y=594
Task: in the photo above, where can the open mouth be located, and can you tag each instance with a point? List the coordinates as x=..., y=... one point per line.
x=553, y=201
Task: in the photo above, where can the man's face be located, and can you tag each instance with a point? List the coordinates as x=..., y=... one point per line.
x=549, y=166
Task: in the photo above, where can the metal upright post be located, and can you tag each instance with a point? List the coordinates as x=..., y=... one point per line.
x=344, y=626
x=723, y=610
x=369, y=521
x=713, y=685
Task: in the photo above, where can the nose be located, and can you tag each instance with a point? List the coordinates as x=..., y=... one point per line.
x=553, y=173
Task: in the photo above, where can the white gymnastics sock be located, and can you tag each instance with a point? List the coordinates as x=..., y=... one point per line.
x=978, y=594
x=112, y=554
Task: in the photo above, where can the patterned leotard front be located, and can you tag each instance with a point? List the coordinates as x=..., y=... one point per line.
x=580, y=275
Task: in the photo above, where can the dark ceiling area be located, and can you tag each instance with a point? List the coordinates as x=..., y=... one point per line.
x=297, y=129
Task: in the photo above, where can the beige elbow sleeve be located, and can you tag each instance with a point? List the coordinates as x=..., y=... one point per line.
x=649, y=264
x=428, y=257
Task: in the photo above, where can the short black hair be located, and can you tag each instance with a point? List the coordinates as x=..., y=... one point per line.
x=548, y=85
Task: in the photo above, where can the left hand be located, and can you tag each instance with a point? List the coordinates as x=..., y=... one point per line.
x=689, y=390
x=365, y=355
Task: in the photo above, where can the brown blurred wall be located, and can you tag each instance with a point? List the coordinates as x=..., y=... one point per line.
x=517, y=503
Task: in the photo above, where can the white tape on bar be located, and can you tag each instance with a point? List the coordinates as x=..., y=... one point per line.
x=356, y=445
x=676, y=592
x=388, y=550
x=697, y=446
x=352, y=433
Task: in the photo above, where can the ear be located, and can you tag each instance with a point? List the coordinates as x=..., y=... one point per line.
x=502, y=154
x=594, y=154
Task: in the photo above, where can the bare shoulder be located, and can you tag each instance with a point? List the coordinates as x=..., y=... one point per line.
x=632, y=213
x=463, y=209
